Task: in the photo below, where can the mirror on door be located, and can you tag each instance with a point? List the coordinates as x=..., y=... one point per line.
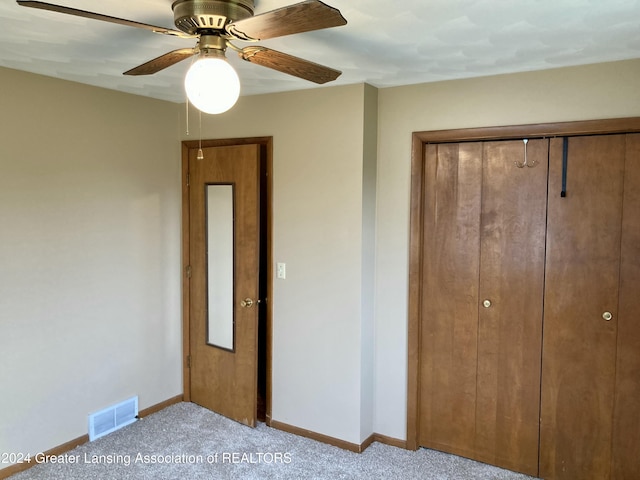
x=220, y=260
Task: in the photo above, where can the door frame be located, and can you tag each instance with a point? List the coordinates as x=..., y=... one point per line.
x=419, y=140
x=266, y=157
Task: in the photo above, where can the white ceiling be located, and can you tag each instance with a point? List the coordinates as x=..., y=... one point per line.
x=419, y=41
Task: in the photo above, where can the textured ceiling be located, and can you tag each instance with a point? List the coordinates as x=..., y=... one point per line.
x=384, y=43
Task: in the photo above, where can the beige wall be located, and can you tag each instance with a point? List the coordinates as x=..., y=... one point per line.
x=89, y=256
x=580, y=93
x=369, y=184
x=90, y=239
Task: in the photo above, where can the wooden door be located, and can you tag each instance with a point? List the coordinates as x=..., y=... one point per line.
x=582, y=277
x=626, y=419
x=448, y=362
x=484, y=230
x=514, y=209
x=224, y=373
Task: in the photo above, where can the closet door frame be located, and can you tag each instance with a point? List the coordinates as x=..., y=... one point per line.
x=419, y=140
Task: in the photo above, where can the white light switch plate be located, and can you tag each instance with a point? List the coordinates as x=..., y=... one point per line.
x=281, y=270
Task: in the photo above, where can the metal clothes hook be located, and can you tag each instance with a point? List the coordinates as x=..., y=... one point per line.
x=525, y=163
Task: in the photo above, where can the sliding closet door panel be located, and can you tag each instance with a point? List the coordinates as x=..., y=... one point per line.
x=582, y=275
x=514, y=209
x=450, y=296
x=626, y=427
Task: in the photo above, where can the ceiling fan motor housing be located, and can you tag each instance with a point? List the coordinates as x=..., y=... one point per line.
x=193, y=16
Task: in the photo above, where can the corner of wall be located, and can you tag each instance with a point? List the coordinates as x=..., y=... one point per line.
x=369, y=181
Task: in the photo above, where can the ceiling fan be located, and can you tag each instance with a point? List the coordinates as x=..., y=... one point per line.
x=215, y=23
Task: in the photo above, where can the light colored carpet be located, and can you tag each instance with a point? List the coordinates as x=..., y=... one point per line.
x=185, y=441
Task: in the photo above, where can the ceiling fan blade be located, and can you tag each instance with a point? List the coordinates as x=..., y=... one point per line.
x=284, y=63
x=105, y=18
x=297, y=18
x=161, y=62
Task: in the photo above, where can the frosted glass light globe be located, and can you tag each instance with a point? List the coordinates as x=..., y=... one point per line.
x=212, y=85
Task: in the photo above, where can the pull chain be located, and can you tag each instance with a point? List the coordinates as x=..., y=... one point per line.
x=186, y=104
x=200, y=154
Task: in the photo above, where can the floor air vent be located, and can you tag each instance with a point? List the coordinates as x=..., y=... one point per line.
x=113, y=418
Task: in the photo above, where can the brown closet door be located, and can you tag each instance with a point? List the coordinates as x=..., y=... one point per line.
x=582, y=276
x=626, y=420
x=483, y=239
x=514, y=210
x=452, y=196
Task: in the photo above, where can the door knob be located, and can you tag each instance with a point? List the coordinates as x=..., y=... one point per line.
x=607, y=316
x=486, y=303
x=247, y=303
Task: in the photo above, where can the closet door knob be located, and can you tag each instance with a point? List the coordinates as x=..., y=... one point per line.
x=486, y=303
x=607, y=316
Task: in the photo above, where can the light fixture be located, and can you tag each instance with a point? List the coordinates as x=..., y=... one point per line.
x=212, y=85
